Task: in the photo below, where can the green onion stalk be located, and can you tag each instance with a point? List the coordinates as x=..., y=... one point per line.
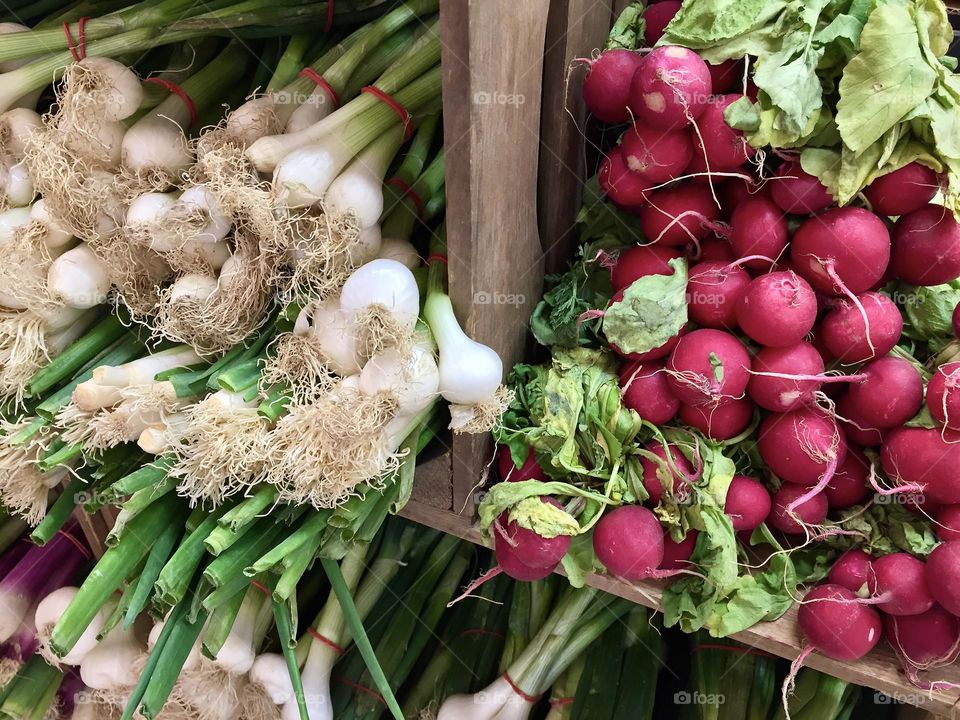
x=622, y=667
x=160, y=17
x=366, y=571
x=471, y=644
x=413, y=81
x=32, y=692
x=371, y=50
x=579, y=618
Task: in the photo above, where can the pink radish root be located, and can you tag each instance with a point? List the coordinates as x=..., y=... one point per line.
x=896, y=489
x=832, y=274
x=791, y=680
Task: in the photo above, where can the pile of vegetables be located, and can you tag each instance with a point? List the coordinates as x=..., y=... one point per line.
x=225, y=327
x=750, y=388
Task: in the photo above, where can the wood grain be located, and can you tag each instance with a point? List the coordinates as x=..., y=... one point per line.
x=574, y=29
x=879, y=670
x=492, y=60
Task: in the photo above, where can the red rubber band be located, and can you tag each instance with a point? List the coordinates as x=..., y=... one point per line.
x=326, y=641
x=329, y=24
x=357, y=686
x=77, y=50
x=399, y=109
x=79, y=545
x=435, y=258
x=513, y=686
x=262, y=588
x=175, y=89
x=321, y=82
x=560, y=702
x=481, y=631
x=732, y=648
x=407, y=191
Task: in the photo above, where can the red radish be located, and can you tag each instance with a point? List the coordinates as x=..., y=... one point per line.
x=779, y=394
x=902, y=191
x=748, y=503
x=722, y=420
x=943, y=575
x=955, y=321
x=657, y=155
x=899, y=578
x=645, y=389
x=798, y=192
x=777, y=309
x=727, y=76
x=714, y=249
x=758, y=228
x=707, y=366
x=925, y=457
x=624, y=188
x=530, y=548
x=836, y=624
x=841, y=251
x=676, y=466
x=628, y=541
x=713, y=289
x=809, y=512
x=676, y=555
x=858, y=429
x=737, y=190
x=844, y=332
x=802, y=446
x=947, y=526
x=678, y=215
x=890, y=393
x=719, y=147
x=509, y=562
x=509, y=472
x=853, y=571
x=926, y=246
x=639, y=261
x=850, y=483
x=943, y=395
x=671, y=89
x=606, y=88
x=656, y=18
x=920, y=505
x=924, y=642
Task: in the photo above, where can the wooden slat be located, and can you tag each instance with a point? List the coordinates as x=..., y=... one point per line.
x=574, y=29
x=879, y=670
x=492, y=65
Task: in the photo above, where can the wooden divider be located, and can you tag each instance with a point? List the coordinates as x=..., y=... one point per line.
x=492, y=68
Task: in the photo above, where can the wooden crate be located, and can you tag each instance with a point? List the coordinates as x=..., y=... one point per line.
x=494, y=248
x=879, y=670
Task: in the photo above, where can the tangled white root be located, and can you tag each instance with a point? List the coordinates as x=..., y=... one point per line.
x=226, y=317
x=300, y=363
x=211, y=692
x=481, y=417
x=23, y=351
x=23, y=488
x=26, y=260
x=320, y=452
x=255, y=704
x=320, y=255
x=222, y=452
